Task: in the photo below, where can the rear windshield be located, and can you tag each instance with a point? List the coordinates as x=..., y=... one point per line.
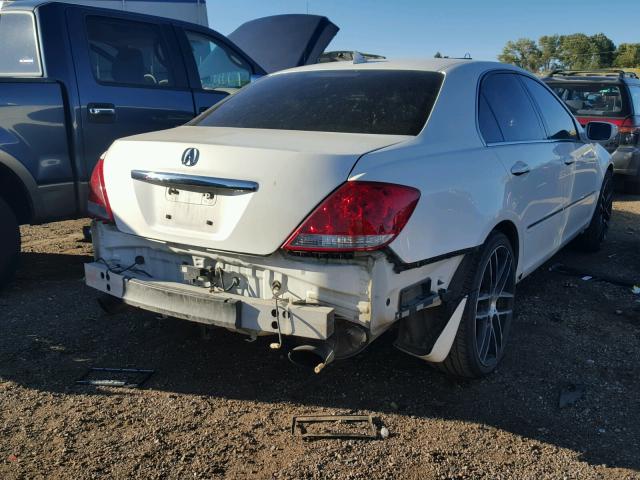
x=18, y=47
x=388, y=102
x=593, y=99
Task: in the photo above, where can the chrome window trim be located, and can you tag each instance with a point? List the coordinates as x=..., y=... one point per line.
x=525, y=142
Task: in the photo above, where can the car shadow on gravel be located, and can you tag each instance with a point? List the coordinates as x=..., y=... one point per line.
x=568, y=333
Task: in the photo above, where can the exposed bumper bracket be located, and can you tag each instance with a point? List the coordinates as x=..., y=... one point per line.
x=227, y=310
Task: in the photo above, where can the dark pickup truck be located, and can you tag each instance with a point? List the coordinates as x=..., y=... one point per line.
x=74, y=78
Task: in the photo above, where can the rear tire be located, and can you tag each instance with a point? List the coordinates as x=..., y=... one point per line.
x=9, y=243
x=480, y=342
x=591, y=239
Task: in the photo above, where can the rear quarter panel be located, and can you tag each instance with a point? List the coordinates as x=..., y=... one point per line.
x=33, y=129
x=34, y=145
x=462, y=183
x=462, y=197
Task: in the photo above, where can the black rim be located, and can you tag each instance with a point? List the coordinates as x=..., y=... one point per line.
x=494, y=307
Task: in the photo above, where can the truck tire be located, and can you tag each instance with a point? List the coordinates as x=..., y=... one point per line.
x=480, y=342
x=9, y=243
x=591, y=239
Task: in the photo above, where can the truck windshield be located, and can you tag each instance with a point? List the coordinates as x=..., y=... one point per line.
x=387, y=102
x=19, y=53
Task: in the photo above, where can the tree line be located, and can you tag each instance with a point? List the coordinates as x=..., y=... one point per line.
x=572, y=52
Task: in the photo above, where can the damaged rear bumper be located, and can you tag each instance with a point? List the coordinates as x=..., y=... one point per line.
x=238, y=313
x=317, y=296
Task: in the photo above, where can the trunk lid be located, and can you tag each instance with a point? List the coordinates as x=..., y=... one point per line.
x=246, y=189
x=285, y=41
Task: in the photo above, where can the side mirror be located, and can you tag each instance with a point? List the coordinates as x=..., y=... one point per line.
x=601, y=132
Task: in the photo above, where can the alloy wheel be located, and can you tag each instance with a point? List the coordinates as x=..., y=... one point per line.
x=494, y=306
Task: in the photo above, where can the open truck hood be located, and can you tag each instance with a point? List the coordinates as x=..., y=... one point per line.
x=273, y=178
x=285, y=41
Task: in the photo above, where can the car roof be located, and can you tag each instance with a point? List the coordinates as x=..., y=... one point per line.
x=443, y=65
x=606, y=80
x=22, y=5
x=618, y=78
x=33, y=5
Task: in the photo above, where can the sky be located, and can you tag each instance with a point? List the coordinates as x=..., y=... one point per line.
x=420, y=28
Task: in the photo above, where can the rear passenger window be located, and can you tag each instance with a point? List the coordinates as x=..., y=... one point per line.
x=128, y=53
x=559, y=123
x=218, y=67
x=512, y=108
x=488, y=123
x=19, y=55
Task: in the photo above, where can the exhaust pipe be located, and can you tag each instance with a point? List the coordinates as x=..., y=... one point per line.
x=112, y=305
x=313, y=356
x=348, y=339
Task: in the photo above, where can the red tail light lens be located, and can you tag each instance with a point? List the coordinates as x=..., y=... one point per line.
x=98, y=205
x=629, y=132
x=358, y=216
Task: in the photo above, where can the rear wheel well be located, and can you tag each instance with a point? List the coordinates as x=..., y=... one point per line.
x=15, y=194
x=510, y=230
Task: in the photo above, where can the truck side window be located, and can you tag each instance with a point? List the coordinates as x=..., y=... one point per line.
x=125, y=52
x=19, y=56
x=218, y=67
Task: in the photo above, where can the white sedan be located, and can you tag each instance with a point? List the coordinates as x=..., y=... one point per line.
x=326, y=204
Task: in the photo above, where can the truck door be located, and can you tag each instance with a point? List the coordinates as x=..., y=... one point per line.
x=131, y=78
x=214, y=67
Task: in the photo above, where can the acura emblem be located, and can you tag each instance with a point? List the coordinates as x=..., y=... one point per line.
x=190, y=157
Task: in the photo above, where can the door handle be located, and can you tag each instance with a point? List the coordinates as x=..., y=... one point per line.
x=520, y=168
x=569, y=161
x=101, y=111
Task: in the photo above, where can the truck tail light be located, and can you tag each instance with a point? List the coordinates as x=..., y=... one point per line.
x=98, y=205
x=629, y=132
x=358, y=216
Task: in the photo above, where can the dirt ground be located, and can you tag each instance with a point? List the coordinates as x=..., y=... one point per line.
x=221, y=407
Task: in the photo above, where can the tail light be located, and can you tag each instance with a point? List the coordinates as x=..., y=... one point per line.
x=98, y=205
x=358, y=216
x=629, y=132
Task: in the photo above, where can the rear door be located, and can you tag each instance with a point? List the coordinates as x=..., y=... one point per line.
x=580, y=159
x=131, y=78
x=538, y=180
x=215, y=68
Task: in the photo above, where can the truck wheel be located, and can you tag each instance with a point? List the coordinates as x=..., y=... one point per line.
x=484, y=328
x=591, y=239
x=9, y=243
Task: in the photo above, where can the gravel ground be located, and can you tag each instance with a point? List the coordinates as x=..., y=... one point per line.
x=219, y=407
